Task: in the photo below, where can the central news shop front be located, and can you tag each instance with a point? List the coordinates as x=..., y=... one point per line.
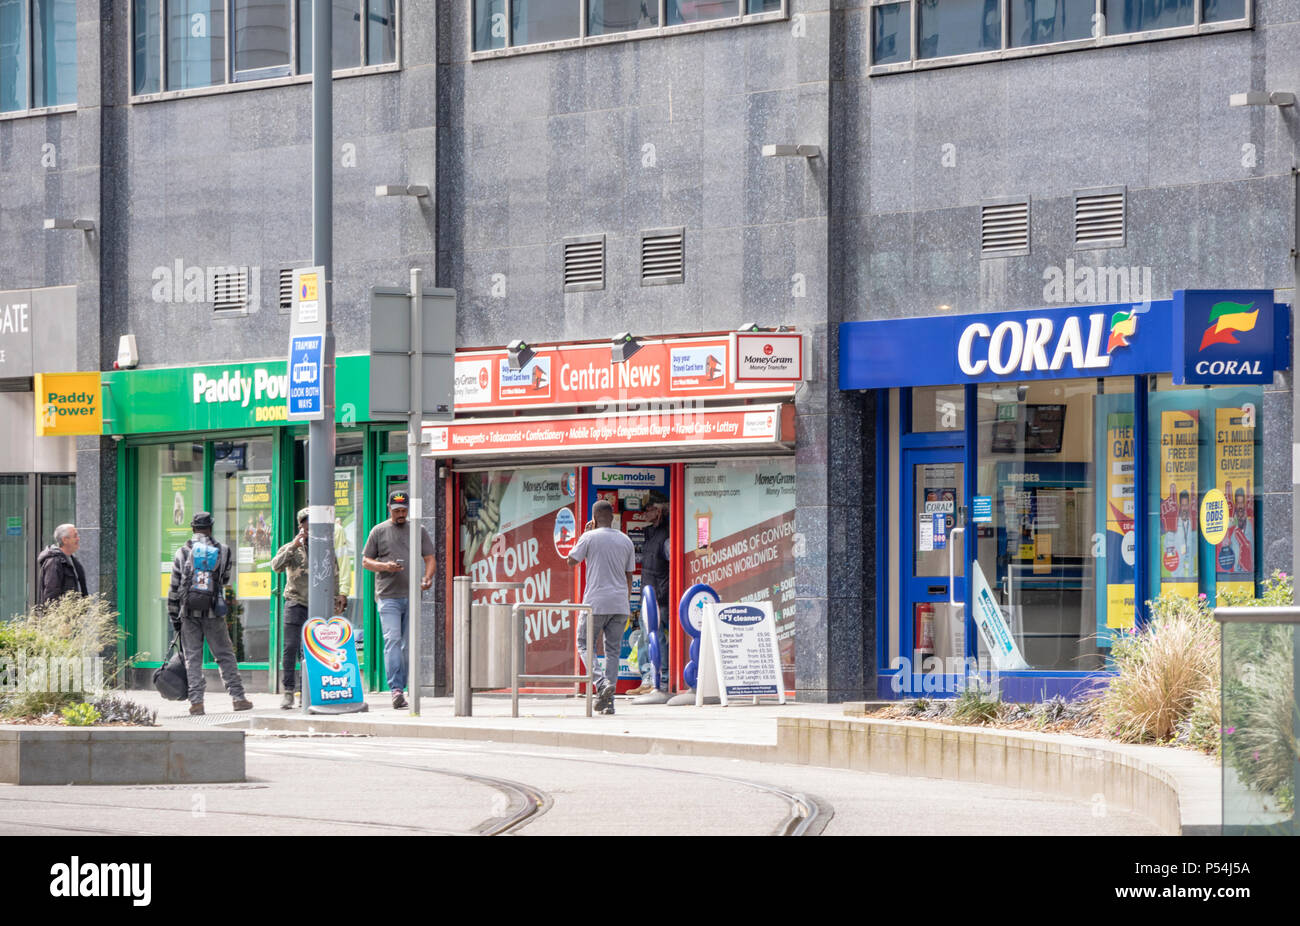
x=1052, y=468
x=532, y=449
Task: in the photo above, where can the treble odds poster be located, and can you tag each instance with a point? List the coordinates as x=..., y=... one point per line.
x=1119, y=523
x=1179, y=504
x=514, y=525
x=180, y=497
x=1234, y=472
x=740, y=538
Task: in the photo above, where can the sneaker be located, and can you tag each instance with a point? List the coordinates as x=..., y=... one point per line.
x=241, y=704
x=286, y=703
x=196, y=708
x=609, y=709
x=604, y=699
x=399, y=701
x=643, y=688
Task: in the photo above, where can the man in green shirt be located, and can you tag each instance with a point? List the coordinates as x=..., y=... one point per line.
x=292, y=560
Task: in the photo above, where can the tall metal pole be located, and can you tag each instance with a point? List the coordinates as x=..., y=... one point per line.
x=320, y=433
x=415, y=566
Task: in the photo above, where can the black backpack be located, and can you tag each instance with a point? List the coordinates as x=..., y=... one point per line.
x=170, y=678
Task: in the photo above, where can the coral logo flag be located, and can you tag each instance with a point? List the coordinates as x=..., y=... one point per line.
x=1227, y=319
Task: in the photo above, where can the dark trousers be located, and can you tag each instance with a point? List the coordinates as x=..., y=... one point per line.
x=294, y=617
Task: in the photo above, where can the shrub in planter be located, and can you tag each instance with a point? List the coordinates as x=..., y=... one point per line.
x=1162, y=670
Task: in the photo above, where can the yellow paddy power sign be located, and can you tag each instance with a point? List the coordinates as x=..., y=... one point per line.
x=68, y=404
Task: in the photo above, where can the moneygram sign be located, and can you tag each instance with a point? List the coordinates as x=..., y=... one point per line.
x=767, y=357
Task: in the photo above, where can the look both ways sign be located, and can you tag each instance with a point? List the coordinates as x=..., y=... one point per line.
x=739, y=656
x=329, y=656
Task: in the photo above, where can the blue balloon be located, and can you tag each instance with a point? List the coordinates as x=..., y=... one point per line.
x=684, y=607
x=695, y=650
x=690, y=674
x=653, y=649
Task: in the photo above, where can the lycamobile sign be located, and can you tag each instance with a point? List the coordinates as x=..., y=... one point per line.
x=217, y=397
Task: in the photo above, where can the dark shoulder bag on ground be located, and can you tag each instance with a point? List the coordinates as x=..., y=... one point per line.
x=170, y=678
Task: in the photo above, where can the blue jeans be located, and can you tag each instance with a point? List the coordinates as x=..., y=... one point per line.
x=393, y=617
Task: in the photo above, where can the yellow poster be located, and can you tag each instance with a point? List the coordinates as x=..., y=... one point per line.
x=1120, y=538
x=1179, y=502
x=68, y=404
x=1234, y=472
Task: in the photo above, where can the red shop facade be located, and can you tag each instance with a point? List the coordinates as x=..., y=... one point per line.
x=543, y=432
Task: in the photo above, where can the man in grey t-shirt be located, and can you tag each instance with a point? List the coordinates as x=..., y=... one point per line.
x=386, y=554
x=611, y=561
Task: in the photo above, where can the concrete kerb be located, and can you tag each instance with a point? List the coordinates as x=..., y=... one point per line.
x=119, y=756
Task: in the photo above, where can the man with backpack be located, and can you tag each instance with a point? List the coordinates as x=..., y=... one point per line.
x=195, y=603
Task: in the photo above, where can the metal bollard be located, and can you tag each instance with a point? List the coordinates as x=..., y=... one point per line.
x=463, y=701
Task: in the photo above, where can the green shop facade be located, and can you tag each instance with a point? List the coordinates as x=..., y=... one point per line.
x=217, y=438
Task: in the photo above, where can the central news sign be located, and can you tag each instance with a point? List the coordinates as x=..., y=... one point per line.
x=1121, y=339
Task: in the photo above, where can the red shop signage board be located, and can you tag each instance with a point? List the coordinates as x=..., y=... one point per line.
x=583, y=374
x=762, y=425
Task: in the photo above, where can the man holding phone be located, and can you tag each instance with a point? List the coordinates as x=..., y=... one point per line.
x=291, y=559
x=386, y=553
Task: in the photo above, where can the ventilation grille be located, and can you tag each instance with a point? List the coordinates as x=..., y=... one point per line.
x=1099, y=218
x=584, y=264
x=230, y=291
x=1004, y=229
x=286, y=289
x=663, y=257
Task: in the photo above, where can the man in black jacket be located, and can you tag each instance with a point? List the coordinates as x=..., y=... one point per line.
x=60, y=571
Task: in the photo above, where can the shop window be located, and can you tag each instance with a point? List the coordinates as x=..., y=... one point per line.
x=739, y=538
x=1204, y=502
x=349, y=515
x=170, y=480
x=938, y=408
x=243, y=515
x=1057, y=552
x=519, y=526
x=16, y=566
x=58, y=504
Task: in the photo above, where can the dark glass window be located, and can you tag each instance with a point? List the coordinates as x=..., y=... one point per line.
x=536, y=21
x=13, y=55
x=262, y=43
x=959, y=27
x=54, y=43
x=381, y=31
x=890, y=27
x=608, y=16
x=1218, y=11
x=196, y=43
x=489, y=24
x=146, y=52
x=1040, y=22
x=695, y=11
x=1124, y=16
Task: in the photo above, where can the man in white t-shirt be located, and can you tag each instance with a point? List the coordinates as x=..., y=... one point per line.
x=611, y=562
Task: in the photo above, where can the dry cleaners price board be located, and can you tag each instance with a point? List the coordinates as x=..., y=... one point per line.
x=739, y=655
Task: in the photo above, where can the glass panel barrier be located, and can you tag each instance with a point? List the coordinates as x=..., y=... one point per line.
x=1261, y=718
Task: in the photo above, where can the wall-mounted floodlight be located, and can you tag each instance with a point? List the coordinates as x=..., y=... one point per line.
x=518, y=353
x=79, y=224
x=623, y=346
x=394, y=189
x=750, y=326
x=792, y=151
x=1262, y=98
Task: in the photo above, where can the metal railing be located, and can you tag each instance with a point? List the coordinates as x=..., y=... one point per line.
x=462, y=638
x=1260, y=719
x=516, y=630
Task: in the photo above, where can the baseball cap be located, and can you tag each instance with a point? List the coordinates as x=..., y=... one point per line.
x=304, y=514
x=399, y=500
x=201, y=519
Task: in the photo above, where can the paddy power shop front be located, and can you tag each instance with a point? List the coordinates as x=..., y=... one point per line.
x=216, y=438
x=1048, y=473
x=671, y=425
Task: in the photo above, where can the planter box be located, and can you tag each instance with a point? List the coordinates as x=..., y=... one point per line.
x=119, y=756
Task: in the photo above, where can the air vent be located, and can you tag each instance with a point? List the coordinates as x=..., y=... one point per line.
x=1099, y=218
x=1004, y=229
x=286, y=290
x=663, y=256
x=584, y=263
x=230, y=292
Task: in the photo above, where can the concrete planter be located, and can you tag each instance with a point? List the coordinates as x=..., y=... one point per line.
x=119, y=756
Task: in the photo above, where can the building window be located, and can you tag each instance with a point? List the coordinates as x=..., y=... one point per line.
x=499, y=24
x=191, y=41
x=960, y=31
x=38, y=54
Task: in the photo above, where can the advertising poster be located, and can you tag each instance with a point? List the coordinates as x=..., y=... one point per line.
x=508, y=534
x=345, y=529
x=1179, y=502
x=749, y=507
x=253, y=535
x=1234, y=472
x=181, y=495
x=1120, y=549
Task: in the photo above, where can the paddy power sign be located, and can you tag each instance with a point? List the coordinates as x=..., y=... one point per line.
x=68, y=404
